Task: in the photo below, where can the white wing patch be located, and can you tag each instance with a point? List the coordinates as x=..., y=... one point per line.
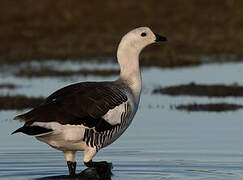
x=113, y=116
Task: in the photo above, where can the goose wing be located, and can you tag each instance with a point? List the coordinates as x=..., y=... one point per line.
x=81, y=103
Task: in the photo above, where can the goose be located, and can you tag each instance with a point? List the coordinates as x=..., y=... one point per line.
x=88, y=116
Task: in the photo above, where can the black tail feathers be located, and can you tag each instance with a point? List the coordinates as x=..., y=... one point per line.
x=32, y=130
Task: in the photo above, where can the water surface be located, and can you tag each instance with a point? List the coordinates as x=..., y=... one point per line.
x=161, y=143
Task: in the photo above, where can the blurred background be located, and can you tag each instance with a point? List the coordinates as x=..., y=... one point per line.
x=189, y=121
x=73, y=29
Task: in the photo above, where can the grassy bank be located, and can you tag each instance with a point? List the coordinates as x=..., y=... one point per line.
x=73, y=29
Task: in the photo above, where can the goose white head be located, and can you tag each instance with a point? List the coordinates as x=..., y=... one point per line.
x=128, y=52
x=139, y=38
x=133, y=43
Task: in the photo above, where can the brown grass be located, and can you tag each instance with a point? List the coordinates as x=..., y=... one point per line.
x=74, y=29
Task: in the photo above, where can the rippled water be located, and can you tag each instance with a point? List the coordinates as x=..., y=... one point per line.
x=161, y=143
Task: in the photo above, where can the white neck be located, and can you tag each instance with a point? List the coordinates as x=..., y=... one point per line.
x=128, y=58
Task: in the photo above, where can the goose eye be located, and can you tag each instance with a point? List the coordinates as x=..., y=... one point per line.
x=143, y=34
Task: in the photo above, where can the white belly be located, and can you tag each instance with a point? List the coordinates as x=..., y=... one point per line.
x=64, y=137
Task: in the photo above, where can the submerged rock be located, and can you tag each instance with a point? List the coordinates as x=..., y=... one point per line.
x=97, y=173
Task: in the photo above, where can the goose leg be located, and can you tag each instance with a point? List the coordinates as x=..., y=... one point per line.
x=70, y=158
x=71, y=168
x=103, y=168
x=88, y=156
x=89, y=153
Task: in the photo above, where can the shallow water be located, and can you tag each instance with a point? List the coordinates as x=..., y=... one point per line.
x=161, y=143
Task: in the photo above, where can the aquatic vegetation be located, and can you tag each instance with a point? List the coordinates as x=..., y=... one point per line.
x=194, y=89
x=19, y=102
x=214, y=107
x=48, y=71
x=8, y=86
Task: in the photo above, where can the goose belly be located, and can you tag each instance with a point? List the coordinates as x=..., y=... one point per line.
x=65, y=137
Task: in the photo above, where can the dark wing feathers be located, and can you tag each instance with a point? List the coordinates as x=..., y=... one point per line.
x=82, y=103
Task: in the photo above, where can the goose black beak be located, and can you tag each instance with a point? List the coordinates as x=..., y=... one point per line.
x=159, y=38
